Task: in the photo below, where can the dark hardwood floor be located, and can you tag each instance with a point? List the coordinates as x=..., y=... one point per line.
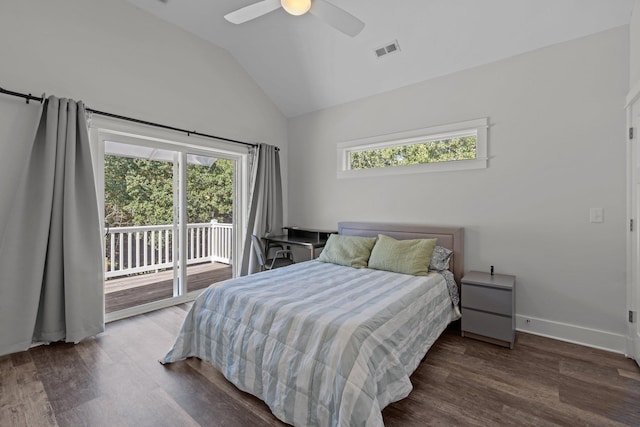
x=116, y=380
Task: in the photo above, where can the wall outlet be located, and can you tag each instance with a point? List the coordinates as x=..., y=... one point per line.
x=596, y=215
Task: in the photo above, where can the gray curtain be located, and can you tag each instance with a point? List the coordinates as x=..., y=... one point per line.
x=265, y=212
x=51, y=278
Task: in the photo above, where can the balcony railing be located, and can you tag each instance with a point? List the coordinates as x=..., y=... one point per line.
x=140, y=249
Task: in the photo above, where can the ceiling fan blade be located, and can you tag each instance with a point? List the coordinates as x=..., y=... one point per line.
x=338, y=18
x=252, y=11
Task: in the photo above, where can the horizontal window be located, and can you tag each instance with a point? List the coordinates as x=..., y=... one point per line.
x=456, y=146
x=443, y=149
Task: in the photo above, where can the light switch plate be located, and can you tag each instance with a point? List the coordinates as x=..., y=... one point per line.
x=596, y=215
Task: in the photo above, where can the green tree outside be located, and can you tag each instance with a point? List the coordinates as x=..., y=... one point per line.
x=463, y=148
x=210, y=192
x=140, y=192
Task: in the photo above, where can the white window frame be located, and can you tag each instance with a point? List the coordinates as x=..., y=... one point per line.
x=477, y=127
x=103, y=129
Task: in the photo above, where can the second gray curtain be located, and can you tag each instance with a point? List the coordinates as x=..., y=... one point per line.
x=51, y=278
x=265, y=212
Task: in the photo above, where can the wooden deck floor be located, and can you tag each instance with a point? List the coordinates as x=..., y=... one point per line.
x=128, y=292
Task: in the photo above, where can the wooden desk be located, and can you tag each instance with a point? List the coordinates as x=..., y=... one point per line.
x=311, y=239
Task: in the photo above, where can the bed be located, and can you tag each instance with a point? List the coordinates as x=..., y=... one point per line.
x=328, y=344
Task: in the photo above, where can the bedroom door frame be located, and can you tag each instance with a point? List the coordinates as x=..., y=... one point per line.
x=108, y=129
x=633, y=209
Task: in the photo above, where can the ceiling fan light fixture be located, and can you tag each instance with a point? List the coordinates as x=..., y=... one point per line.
x=296, y=7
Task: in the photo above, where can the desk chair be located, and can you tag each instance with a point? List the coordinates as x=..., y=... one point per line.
x=281, y=258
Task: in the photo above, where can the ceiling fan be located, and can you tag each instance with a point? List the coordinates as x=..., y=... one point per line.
x=338, y=18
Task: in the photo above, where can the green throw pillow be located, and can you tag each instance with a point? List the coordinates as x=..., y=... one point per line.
x=352, y=251
x=402, y=256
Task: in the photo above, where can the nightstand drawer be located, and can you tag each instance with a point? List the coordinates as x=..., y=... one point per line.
x=487, y=324
x=487, y=299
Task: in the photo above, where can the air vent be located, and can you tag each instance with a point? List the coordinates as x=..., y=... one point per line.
x=391, y=47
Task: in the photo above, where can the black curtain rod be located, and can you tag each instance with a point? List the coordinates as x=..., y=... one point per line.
x=29, y=97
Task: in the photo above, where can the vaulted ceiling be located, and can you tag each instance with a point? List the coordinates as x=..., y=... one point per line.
x=305, y=65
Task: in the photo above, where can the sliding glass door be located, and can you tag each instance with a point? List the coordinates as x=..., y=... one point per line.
x=139, y=211
x=171, y=214
x=209, y=217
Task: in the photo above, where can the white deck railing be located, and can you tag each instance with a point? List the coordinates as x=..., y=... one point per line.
x=146, y=248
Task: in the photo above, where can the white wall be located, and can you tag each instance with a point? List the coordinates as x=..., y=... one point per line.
x=635, y=45
x=119, y=59
x=557, y=148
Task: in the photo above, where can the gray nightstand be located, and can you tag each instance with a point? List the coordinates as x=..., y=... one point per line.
x=488, y=307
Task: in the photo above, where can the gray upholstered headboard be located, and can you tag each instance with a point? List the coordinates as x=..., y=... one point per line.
x=449, y=237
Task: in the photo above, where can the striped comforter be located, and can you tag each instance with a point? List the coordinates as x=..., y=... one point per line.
x=321, y=344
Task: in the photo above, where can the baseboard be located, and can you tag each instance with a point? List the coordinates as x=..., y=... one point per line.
x=602, y=340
